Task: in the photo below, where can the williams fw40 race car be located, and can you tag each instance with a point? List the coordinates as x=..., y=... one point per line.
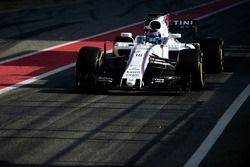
x=154, y=60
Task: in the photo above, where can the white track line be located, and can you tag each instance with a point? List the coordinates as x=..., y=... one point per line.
x=117, y=29
x=201, y=5
x=29, y=81
x=69, y=43
x=215, y=133
x=221, y=10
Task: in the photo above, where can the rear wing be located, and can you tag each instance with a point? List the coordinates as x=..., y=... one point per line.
x=179, y=25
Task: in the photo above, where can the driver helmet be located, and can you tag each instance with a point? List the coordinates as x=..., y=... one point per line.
x=153, y=37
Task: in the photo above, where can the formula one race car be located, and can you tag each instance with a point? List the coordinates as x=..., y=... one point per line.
x=154, y=60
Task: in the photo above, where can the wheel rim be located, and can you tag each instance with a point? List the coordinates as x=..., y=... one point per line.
x=221, y=58
x=201, y=71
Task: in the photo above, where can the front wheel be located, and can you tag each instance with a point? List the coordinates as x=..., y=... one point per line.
x=87, y=67
x=191, y=66
x=198, y=75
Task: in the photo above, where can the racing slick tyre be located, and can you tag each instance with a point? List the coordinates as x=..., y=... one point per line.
x=191, y=65
x=87, y=66
x=213, y=50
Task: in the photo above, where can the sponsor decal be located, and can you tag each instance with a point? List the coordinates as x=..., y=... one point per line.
x=138, y=54
x=132, y=75
x=182, y=24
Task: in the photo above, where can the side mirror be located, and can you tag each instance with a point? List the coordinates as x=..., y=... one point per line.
x=175, y=35
x=126, y=34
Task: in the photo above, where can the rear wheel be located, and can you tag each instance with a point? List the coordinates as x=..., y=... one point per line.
x=87, y=66
x=213, y=50
x=191, y=66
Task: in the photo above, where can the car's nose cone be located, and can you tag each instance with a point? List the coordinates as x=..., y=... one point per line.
x=131, y=82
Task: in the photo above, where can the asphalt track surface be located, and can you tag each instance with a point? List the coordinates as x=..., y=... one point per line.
x=49, y=123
